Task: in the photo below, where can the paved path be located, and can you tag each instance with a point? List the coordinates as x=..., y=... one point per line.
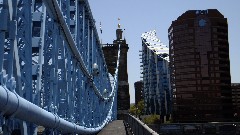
x=114, y=128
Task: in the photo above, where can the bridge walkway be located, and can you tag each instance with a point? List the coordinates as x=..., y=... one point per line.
x=116, y=127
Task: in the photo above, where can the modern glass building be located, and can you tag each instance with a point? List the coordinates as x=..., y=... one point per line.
x=200, y=67
x=156, y=88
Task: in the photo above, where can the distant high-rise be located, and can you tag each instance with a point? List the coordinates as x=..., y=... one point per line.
x=155, y=59
x=236, y=99
x=200, y=67
x=138, y=91
x=110, y=53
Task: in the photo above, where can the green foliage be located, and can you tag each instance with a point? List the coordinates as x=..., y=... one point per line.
x=152, y=119
x=140, y=107
x=169, y=121
x=133, y=110
x=137, y=109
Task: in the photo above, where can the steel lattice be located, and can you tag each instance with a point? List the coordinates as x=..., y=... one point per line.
x=52, y=69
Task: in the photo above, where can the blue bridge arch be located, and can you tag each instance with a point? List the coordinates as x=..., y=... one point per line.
x=52, y=69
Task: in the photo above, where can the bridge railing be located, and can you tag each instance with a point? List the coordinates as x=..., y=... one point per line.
x=138, y=127
x=52, y=69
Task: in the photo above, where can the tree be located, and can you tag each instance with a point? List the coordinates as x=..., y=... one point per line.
x=140, y=108
x=137, y=109
x=133, y=110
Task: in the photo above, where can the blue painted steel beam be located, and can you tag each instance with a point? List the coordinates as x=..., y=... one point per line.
x=13, y=105
x=67, y=84
x=52, y=5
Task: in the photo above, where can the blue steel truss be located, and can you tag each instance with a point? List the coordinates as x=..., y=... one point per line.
x=52, y=69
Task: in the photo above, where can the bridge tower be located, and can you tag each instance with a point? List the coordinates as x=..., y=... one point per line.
x=110, y=54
